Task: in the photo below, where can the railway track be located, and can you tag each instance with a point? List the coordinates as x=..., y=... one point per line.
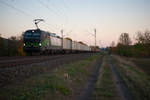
x=16, y=70
x=18, y=61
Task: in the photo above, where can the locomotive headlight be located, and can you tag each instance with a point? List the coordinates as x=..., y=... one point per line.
x=40, y=44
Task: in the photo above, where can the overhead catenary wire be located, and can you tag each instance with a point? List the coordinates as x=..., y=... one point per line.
x=66, y=5
x=64, y=10
x=56, y=12
x=60, y=11
x=15, y=8
x=51, y=10
x=27, y=13
x=22, y=12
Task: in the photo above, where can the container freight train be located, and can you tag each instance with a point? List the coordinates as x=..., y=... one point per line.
x=44, y=42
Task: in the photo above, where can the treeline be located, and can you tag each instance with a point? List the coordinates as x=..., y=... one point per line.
x=125, y=47
x=12, y=46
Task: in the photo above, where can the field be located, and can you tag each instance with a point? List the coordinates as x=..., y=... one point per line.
x=134, y=76
x=94, y=77
x=144, y=64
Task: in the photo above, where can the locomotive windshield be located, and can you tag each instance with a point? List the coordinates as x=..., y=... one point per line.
x=32, y=35
x=36, y=34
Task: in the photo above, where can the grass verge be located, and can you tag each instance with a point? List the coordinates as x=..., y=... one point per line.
x=136, y=80
x=144, y=64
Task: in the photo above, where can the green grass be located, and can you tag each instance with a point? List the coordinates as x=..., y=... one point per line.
x=139, y=73
x=51, y=85
x=36, y=90
x=143, y=64
x=136, y=80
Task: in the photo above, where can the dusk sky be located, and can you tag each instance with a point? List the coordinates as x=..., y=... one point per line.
x=78, y=18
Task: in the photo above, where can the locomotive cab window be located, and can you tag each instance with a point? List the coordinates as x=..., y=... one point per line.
x=27, y=35
x=36, y=34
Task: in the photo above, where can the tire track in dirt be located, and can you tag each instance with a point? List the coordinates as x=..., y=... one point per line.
x=89, y=88
x=122, y=89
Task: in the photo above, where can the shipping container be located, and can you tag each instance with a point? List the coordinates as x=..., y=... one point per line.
x=55, y=42
x=67, y=44
x=74, y=45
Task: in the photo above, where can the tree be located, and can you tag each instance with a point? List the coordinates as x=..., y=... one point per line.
x=143, y=38
x=2, y=46
x=143, y=43
x=12, y=46
x=13, y=38
x=124, y=39
x=123, y=47
x=139, y=49
x=20, y=45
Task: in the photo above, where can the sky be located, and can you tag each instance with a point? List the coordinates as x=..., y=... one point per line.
x=78, y=18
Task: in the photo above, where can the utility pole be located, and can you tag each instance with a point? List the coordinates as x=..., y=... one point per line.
x=95, y=37
x=62, y=36
x=100, y=45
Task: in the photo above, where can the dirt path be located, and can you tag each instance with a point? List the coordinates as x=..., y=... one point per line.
x=123, y=91
x=89, y=88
